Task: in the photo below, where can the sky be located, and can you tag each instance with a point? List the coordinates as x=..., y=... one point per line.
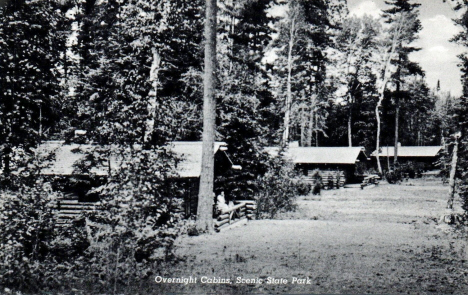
x=438, y=56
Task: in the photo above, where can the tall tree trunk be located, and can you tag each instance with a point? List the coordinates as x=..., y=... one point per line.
x=397, y=114
x=287, y=112
x=205, y=195
x=350, y=113
x=388, y=160
x=453, y=170
x=232, y=26
x=310, y=129
x=350, y=137
x=316, y=131
x=377, y=148
x=303, y=127
x=40, y=121
x=153, y=96
x=385, y=78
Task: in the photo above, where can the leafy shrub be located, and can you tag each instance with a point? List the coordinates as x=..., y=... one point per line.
x=28, y=227
x=303, y=187
x=108, y=249
x=33, y=248
x=278, y=188
x=393, y=176
x=138, y=222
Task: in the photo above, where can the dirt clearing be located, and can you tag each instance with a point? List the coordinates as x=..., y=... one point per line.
x=380, y=240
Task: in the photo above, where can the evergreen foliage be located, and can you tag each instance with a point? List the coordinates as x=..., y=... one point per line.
x=30, y=62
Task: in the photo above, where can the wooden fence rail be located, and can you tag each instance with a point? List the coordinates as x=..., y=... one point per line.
x=242, y=210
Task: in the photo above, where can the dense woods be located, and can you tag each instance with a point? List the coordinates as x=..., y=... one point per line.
x=131, y=75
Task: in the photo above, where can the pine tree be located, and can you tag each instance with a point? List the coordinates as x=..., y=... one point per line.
x=246, y=110
x=301, y=69
x=136, y=61
x=404, y=67
x=205, y=194
x=30, y=65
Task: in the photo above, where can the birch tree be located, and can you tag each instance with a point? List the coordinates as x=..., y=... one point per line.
x=301, y=68
x=404, y=66
x=152, y=102
x=397, y=34
x=356, y=43
x=453, y=170
x=293, y=28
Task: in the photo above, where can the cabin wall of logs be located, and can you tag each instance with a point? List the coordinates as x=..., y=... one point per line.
x=69, y=208
x=242, y=210
x=330, y=178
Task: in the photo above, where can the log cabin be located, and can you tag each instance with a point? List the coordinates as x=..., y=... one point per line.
x=76, y=185
x=423, y=158
x=342, y=164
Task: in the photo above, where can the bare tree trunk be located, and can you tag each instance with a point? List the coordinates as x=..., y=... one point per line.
x=303, y=127
x=397, y=110
x=154, y=78
x=40, y=120
x=377, y=107
x=205, y=195
x=453, y=169
x=377, y=148
x=287, y=112
x=388, y=160
x=310, y=129
x=397, y=113
x=385, y=78
x=231, y=40
x=316, y=131
x=350, y=135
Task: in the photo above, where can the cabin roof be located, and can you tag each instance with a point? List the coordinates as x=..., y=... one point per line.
x=322, y=155
x=191, y=152
x=409, y=151
x=66, y=155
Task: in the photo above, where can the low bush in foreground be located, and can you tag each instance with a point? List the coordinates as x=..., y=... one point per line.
x=115, y=248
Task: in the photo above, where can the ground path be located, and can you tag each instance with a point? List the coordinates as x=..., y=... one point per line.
x=381, y=240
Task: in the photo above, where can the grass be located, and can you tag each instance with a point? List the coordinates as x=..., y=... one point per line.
x=380, y=240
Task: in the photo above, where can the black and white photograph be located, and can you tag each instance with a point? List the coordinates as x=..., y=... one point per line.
x=168, y=147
